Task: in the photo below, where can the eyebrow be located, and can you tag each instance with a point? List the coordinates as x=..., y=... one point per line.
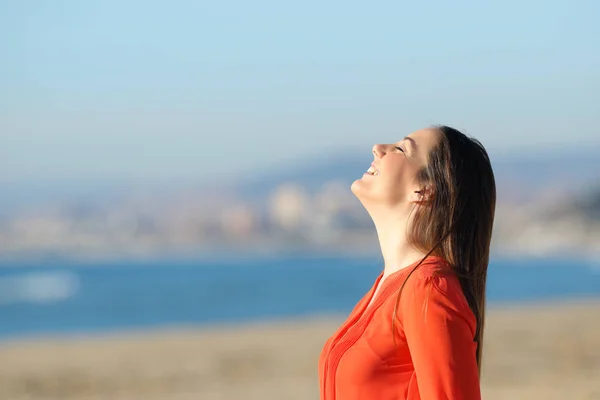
x=412, y=142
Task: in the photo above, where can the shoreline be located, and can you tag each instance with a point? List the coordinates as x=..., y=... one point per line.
x=265, y=322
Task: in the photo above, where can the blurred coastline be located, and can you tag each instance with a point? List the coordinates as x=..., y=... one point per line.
x=540, y=343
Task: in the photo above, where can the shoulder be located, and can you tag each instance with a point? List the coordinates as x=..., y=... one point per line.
x=433, y=271
x=435, y=286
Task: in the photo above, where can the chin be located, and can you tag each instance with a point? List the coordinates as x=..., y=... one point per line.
x=369, y=195
x=360, y=190
x=356, y=187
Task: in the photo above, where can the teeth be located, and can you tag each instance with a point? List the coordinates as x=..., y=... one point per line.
x=372, y=171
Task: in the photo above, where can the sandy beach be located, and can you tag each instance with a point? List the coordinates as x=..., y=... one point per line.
x=549, y=351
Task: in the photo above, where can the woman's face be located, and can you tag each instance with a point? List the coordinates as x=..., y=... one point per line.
x=390, y=180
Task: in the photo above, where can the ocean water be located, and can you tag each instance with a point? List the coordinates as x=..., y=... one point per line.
x=68, y=299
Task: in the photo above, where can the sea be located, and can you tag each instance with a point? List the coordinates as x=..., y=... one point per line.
x=62, y=298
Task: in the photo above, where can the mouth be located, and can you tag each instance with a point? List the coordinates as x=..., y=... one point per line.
x=372, y=171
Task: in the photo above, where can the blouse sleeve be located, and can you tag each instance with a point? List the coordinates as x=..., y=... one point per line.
x=439, y=328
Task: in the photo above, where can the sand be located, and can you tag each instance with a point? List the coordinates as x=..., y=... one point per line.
x=549, y=351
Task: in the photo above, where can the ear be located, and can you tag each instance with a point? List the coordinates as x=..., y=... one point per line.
x=421, y=196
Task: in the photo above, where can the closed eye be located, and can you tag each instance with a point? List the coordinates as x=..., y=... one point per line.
x=400, y=148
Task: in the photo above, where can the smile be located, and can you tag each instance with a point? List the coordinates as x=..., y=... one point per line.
x=372, y=170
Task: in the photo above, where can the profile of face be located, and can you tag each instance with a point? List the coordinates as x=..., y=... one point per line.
x=390, y=181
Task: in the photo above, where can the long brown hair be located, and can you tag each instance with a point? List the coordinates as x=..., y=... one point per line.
x=456, y=224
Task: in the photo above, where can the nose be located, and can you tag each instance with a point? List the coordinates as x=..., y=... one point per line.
x=379, y=150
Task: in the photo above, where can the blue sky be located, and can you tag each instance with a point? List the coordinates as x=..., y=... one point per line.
x=191, y=89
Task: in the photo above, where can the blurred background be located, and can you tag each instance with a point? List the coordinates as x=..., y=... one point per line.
x=176, y=220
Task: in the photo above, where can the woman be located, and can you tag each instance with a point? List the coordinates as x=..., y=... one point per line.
x=417, y=334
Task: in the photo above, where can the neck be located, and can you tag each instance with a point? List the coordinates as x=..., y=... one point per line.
x=392, y=233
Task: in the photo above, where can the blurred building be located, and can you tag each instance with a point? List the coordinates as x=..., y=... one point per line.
x=238, y=221
x=289, y=207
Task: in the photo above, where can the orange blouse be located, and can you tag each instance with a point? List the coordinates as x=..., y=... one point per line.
x=434, y=354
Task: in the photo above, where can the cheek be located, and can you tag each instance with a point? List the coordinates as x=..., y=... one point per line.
x=392, y=187
x=396, y=181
